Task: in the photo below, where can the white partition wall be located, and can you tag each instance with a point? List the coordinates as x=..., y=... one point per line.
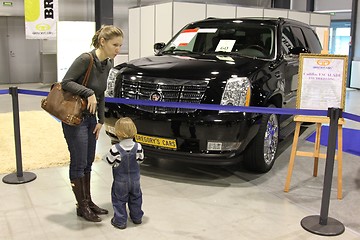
x=160, y=22
x=163, y=22
x=275, y=13
x=134, y=33
x=300, y=16
x=355, y=73
x=249, y=12
x=185, y=13
x=73, y=38
x=320, y=19
x=147, y=30
x=121, y=58
x=219, y=11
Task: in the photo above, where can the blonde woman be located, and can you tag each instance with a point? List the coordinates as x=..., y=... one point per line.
x=125, y=158
x=81, y=139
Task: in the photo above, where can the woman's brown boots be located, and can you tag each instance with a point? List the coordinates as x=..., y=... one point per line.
x=92, y=205
x=82, y=207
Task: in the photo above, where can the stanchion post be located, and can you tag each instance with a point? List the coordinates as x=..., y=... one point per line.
x=324, y=225
x=20, y=176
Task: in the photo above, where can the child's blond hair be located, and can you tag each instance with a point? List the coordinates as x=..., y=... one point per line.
x=125, y=128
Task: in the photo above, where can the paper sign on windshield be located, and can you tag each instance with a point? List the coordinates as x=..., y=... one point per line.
x=185, y=37
x=225, y=45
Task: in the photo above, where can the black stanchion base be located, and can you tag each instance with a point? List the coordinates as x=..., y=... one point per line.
x=14, y=179
x=332, y=228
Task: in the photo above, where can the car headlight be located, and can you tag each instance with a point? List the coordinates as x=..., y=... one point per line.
x=111, y=82
x=236, y=93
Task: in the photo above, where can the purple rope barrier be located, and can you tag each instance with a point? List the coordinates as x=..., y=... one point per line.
x=285, y=111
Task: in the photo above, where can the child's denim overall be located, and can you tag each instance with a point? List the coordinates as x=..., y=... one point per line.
x=126, y=187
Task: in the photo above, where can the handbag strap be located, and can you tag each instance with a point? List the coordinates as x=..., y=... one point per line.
x=88, y=71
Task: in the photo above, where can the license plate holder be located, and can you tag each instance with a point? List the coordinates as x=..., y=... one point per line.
x=156, y=141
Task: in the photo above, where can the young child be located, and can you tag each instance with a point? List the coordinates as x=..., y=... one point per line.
x=125, y=158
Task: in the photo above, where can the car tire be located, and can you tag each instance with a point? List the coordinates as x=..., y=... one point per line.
x=261, y=153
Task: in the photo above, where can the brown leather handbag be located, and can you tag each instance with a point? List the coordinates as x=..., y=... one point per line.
x=64, y=105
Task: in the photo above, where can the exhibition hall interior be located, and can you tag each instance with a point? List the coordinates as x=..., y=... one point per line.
x=305, y=183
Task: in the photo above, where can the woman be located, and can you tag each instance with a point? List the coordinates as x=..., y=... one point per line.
x=81, y=139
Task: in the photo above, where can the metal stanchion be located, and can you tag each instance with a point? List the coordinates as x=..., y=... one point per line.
x=324, y=225
x=19, y=176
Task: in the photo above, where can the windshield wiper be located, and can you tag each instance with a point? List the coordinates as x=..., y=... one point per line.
x=173, y=51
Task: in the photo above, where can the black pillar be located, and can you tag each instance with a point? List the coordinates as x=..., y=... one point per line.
x=280, y=4
x=310, y=5
x=353, y=55
x=104, y=12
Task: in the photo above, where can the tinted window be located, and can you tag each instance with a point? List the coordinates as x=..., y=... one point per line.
x=312, y=40
x=287, y=40
x=299, y=36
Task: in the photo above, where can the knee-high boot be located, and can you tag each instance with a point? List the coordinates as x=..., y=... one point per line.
x=82, y=207
x=96, y=209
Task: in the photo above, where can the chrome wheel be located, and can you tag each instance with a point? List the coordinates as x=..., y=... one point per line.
x=271, y=139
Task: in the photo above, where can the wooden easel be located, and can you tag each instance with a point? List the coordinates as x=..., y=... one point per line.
x=316, y=154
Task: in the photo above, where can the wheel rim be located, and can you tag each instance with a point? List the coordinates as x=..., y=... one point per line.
x=271, y=139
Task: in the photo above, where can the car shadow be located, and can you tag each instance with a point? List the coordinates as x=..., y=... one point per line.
x=201, y=174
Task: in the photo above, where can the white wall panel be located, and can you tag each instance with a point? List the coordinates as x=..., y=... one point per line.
x=67, y=48
x=275, y=13
x=249, y=12
x=121, y=58
x=333, y=5
x=134, y=33
x=317, y=19
x=163, y=22
x=185, y=13
x=355, y=74
x=147, y=30
x=220, y=11
x=300, y=16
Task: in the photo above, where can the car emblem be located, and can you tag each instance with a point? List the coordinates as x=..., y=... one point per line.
x=156, y=96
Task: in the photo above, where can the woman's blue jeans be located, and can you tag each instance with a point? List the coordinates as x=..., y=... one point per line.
x=81, y=143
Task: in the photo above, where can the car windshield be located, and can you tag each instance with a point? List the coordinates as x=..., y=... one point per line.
x=232, y=37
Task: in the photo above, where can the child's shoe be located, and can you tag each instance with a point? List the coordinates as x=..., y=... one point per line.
x=137, y=221
x=120, y=226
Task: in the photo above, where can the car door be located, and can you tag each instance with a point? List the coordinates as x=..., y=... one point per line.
x=288, y=42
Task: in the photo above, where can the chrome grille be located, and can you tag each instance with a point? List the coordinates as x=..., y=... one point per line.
x=172, y=90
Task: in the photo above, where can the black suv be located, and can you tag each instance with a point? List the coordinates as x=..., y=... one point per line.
x=237, y=62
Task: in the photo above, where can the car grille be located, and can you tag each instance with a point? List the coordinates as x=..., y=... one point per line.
x=171, y=90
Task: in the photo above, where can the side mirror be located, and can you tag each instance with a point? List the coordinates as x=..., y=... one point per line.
x=158, y=47
x=298, y=50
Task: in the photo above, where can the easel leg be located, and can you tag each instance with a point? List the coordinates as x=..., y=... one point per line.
x=317, y=149
x=292, y=156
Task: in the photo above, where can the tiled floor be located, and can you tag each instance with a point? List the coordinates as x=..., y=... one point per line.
x=185, y=201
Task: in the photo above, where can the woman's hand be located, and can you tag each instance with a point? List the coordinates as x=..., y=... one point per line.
x=97, y=130
x=92, y=103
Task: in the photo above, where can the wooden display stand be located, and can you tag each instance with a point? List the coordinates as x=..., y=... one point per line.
x=316, y=154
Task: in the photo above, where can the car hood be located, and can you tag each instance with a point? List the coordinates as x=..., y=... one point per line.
x=197, y=68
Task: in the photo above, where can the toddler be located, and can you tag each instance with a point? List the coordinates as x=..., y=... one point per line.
x=125, y=158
